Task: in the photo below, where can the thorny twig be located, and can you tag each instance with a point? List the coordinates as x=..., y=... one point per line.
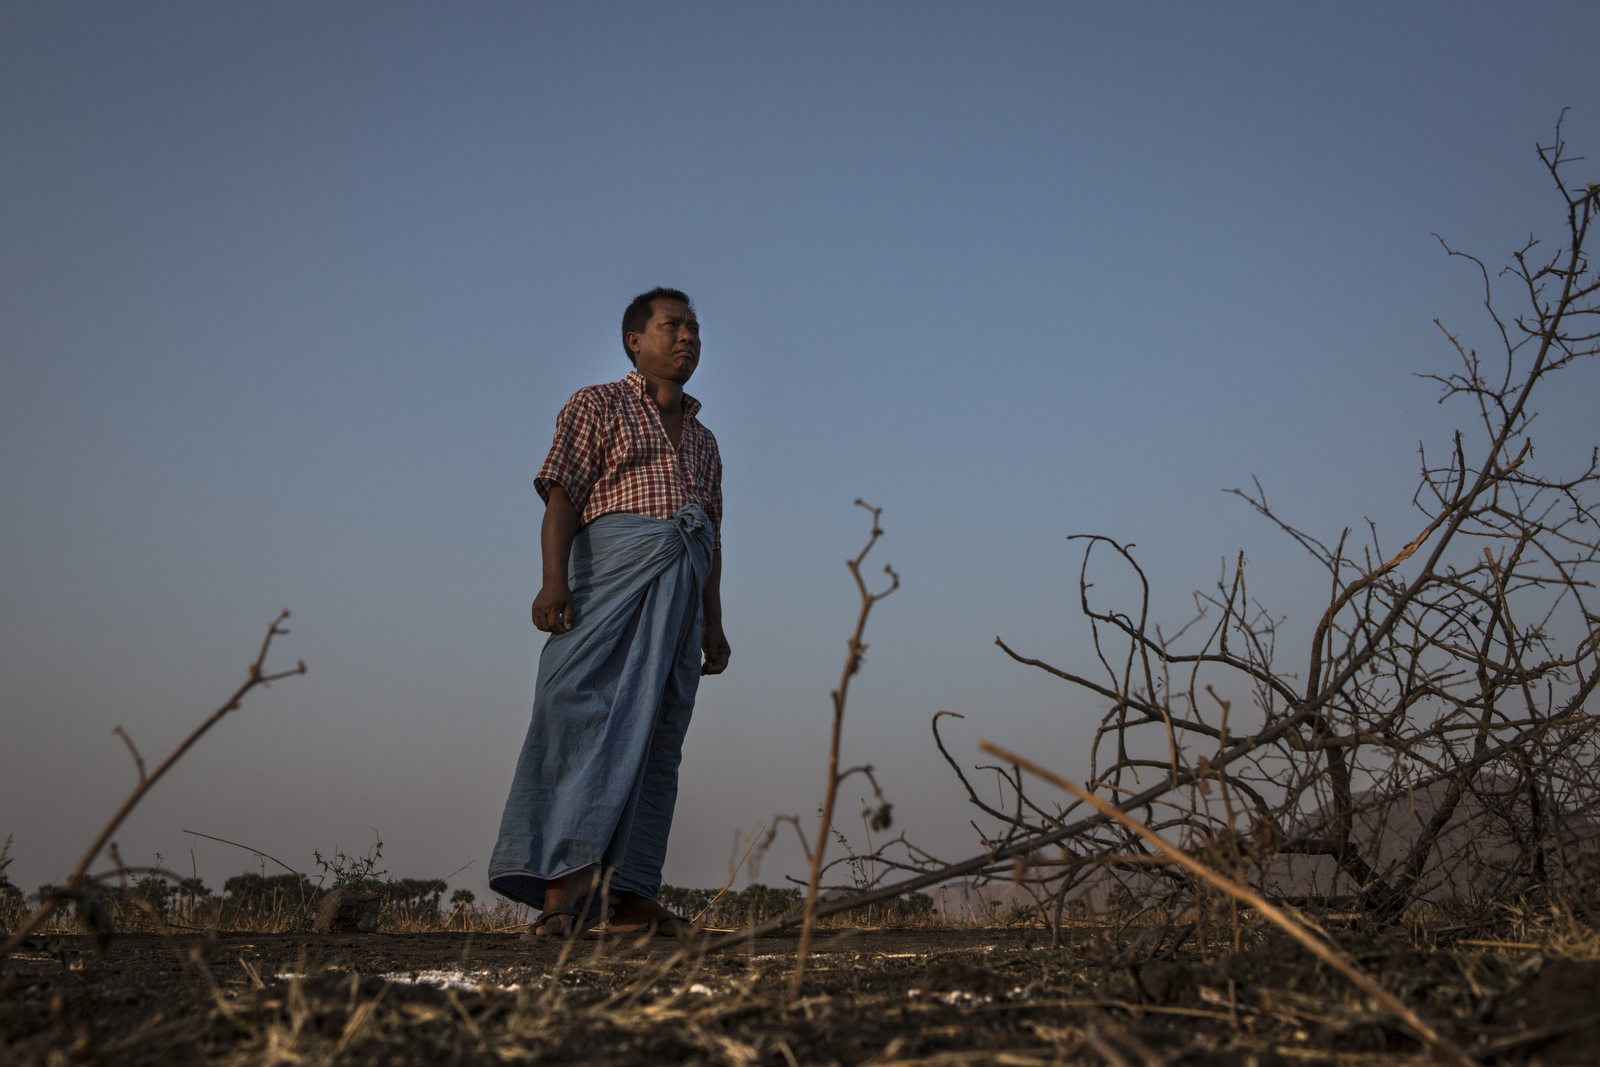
x=76, y=881
x=852, y=664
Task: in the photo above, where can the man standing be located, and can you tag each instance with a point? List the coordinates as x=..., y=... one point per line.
x=631, y=544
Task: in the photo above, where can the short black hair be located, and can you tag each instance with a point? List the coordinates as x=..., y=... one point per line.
x=637, y=317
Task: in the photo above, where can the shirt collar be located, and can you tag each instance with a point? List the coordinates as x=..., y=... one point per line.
x=691, y=406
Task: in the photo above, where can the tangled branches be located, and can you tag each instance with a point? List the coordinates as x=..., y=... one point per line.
x=1437, y=741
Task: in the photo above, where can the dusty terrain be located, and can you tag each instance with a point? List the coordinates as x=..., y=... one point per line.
x=934, y=995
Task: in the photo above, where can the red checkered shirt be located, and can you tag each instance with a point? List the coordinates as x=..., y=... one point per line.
x=611, y=453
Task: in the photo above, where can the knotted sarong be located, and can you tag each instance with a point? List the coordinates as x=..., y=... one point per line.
x=597, y=780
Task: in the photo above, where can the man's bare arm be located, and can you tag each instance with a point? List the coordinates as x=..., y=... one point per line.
x=553, y=610
x=712, y=640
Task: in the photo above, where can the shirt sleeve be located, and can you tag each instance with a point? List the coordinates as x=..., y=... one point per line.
x=714, y=494
x=577, y=454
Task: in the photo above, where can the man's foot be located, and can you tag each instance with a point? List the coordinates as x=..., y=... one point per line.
x=635, y=914
x=564, y=901
x=558, y=922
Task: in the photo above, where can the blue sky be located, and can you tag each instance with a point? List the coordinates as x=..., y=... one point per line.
x=290, y=295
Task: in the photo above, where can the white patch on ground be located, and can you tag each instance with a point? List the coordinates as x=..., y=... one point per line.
x=289, y=976
x=816, y=956
x=958, y=998
x=452, y=978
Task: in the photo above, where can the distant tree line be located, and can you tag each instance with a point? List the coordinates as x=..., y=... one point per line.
x=251, y=894
x=758, y=903
x=10, y=895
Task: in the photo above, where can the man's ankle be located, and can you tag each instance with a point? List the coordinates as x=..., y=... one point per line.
x=569, y=891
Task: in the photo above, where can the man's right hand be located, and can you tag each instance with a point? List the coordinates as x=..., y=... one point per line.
x=553, y=610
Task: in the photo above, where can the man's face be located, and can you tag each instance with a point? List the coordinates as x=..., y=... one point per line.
x=669, y=347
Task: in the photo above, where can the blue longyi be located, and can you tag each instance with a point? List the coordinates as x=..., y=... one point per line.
x=597, y=780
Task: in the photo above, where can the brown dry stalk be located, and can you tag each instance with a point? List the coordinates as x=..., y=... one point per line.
x=732, y=876
x=1327, y=955
x=852, y=664
x=247, y=848
x=1107, y=1051
x=75, y=882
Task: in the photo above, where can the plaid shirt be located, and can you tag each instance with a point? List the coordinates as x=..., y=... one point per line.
x=611, y=453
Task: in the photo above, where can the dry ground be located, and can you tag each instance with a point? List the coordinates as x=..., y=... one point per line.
x=880, y=996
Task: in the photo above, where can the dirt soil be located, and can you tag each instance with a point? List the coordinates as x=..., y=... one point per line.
x=936, y=996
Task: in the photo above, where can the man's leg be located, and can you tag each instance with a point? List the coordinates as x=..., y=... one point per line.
x=638, y=879
x=576, y=889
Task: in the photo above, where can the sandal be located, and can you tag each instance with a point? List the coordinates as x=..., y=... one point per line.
x=654, y=927
x=583, y=921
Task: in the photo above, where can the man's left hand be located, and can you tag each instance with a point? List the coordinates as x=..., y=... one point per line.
x=715, y=645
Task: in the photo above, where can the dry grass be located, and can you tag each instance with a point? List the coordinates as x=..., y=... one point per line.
x=283, y=915
x=1120, y=992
